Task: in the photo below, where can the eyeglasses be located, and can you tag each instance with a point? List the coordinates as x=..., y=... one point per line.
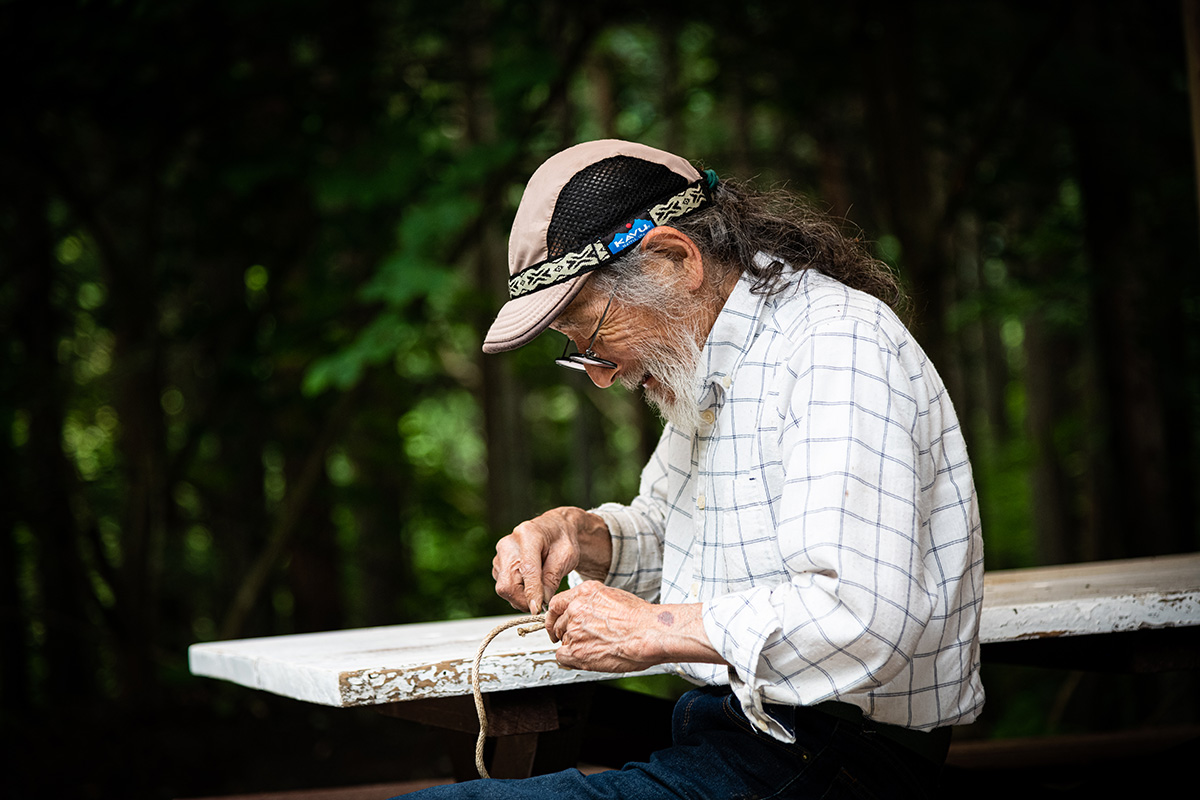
x=588, y=358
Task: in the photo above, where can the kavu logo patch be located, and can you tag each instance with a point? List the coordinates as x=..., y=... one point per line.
x=633, y=233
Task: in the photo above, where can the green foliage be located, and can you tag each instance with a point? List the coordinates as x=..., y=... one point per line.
x=379, y=342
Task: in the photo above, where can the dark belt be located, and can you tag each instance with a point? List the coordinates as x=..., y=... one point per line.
x=929, y=745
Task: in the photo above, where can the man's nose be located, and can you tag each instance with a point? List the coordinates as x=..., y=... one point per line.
x=601, y=376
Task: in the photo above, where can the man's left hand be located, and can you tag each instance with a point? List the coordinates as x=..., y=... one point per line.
x=610, y=630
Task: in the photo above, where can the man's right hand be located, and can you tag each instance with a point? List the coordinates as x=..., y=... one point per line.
x=531, y=561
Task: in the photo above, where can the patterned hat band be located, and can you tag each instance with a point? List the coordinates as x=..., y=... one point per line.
x=595, y=255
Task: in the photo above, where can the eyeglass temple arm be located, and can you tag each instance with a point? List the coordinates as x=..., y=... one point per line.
x=600, y=324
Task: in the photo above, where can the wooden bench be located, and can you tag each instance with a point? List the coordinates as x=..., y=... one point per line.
x=1060, y=616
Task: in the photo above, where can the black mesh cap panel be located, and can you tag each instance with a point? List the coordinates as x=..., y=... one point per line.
x=603, y=195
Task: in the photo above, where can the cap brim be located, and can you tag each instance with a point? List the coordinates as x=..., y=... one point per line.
x=521, y=320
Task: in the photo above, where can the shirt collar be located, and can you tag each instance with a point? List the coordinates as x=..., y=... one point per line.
x=736, y=327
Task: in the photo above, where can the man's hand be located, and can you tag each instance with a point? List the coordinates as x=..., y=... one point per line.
x=609, y=630
x=531, y=561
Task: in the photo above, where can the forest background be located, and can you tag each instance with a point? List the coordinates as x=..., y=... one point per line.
x=249, y=249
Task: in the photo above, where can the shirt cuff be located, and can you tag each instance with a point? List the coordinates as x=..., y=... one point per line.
x=612, y=514
x=630, y=567
x=739, y=628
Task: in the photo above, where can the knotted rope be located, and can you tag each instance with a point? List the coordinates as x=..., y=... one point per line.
x=534, y=622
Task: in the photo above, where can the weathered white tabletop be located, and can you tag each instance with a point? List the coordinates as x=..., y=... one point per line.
x=1091, y=598
x=410, y=662
x=388, y=664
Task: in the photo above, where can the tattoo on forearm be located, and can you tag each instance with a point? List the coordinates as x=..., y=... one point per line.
x=666, y=618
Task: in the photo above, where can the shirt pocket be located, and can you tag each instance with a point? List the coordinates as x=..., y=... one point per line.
x=745, y=544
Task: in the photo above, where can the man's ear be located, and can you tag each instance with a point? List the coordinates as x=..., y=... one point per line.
x=675, y=246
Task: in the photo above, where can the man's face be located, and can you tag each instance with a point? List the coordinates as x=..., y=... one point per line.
x=654, y=345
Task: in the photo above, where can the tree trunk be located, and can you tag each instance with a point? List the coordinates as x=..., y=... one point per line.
x=1134, y=507
x=508, y=497
x=902, y=165
x=1051, y=356
x=43, y=496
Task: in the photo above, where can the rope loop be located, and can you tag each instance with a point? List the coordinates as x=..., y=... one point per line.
x=531, y=623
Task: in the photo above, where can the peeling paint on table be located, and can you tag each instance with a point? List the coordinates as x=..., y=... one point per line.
x=1092, y=598
x=388, y=664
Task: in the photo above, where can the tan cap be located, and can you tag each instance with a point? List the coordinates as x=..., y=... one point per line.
x=580, y=210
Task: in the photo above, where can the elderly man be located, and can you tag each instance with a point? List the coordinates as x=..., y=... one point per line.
x=805, y=545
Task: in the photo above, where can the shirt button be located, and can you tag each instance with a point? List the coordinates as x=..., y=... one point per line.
x=727, y=381
x=695, y=589
x=700, y=502
x=708, y=416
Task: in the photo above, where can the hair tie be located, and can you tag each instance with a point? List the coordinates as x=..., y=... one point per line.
x=712, y=178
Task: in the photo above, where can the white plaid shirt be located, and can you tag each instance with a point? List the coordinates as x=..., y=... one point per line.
x=824, y=515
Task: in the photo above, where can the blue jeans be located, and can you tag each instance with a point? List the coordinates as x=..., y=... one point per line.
x=717, y=754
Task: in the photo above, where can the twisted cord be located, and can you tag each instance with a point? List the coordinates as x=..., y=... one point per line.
x=534, y=622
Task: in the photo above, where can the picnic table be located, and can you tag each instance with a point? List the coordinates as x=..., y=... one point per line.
x=1062, y=616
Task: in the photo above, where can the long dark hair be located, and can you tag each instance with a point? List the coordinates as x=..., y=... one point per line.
x=744, y=221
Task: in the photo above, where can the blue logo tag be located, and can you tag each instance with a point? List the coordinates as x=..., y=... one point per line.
x=634, y=233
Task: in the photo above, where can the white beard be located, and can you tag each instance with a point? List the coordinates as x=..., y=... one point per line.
x=668, y=350
x=675, y=365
